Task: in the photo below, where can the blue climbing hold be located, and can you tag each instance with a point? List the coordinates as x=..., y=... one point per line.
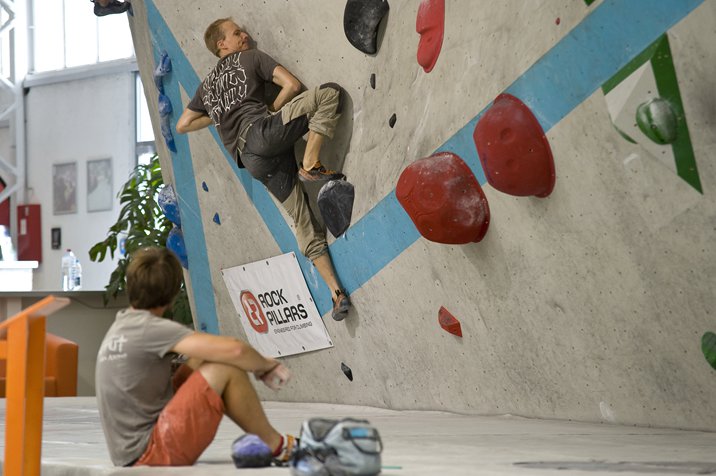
x=167, y=201
x=205, y=186
x=217, y=220
x=165, y=105
x=164, y=65
x=167, y=133
x=166, y=127
x=158, y=83
x=175, y=244
x=170, y=143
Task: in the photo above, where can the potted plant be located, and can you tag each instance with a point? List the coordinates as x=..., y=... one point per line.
x=141, y=223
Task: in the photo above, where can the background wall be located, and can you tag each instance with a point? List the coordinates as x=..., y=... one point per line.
x=5, y=152
x=5, y=141
x=587, y=305
x=78, y=121
x=84, y=321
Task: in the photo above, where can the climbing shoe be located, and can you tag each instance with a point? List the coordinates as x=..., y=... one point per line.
x=250, y=451
x=319, y=174
x=113, y=7
x=341, y=304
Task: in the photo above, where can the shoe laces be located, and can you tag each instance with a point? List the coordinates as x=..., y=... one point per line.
x=321, y=169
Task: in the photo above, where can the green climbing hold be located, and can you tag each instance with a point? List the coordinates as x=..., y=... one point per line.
x=657, y=120
x=708, y=347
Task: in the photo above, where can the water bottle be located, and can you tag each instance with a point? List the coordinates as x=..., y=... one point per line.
x=68, y=260
x=76, y=274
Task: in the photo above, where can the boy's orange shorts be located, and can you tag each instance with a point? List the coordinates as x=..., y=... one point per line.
x=187, y=425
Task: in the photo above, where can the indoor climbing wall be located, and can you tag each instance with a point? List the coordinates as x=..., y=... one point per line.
x=531, y=187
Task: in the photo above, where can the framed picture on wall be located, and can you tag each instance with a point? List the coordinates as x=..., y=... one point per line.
x=64, y=188
x=99, y=185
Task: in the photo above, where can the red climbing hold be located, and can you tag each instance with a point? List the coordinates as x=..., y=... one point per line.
x=513, y=149
x=431, y=27
x=444, y=199
x=449, y=322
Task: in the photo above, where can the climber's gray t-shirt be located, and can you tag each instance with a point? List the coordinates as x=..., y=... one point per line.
x=133, y=379
x=233, y=95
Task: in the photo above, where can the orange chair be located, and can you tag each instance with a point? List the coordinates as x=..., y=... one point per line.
x=60, y=368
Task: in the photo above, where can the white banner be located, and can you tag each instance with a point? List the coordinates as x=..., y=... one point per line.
x=276, y=309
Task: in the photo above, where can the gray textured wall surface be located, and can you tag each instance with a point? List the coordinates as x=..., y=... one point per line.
x=587, y=305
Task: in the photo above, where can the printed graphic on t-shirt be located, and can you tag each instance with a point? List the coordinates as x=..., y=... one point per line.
x=224, y=87
x=113, y=349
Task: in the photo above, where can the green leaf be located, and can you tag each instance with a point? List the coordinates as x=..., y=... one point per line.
x=144, y=224
x=98, y=251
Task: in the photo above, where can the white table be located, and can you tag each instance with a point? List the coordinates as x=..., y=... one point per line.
x=14, y=276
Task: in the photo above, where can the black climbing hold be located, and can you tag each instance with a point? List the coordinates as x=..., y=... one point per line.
x=372, y=80
x=391, y=121
x=335, y=201
x=217, y=220
x=347, y=370
x=360, y=22
x=205, y=186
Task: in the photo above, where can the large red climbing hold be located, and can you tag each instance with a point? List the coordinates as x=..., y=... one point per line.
x=448, y=322
x=430, y=25
x=444, y=199
x=513, y=149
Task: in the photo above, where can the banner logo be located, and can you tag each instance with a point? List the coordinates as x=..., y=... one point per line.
x=275, y=308
x=253, y=311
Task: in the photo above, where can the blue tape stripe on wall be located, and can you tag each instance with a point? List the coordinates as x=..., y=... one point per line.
x=185, y=186
x=561, y=80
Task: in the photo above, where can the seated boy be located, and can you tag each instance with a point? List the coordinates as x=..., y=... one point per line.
x=151, y=418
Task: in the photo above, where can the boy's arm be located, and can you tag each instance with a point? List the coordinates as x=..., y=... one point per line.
x=200, y=346
x=290, y=87
x=192, y=121
x=193, y=362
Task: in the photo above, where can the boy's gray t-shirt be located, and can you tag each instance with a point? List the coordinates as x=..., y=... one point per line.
x=133, y=379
